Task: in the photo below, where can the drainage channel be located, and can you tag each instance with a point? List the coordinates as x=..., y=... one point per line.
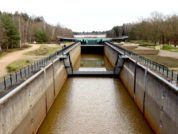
x=95, y=105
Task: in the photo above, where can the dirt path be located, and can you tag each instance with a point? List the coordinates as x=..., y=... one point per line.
x=165, y=53
x=11, y=57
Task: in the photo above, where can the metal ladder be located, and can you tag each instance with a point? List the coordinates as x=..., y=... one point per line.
x=67, y=63
x=119, y=64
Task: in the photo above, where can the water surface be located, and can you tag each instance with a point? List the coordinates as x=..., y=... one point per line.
x=92, y=61
x=94, y=106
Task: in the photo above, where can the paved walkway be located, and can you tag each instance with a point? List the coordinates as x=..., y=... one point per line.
x=11, y=57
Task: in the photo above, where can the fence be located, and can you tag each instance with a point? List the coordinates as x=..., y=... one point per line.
x=165, y=72
x=13, y=79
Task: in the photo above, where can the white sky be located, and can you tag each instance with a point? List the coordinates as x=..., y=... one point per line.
x=89, y=15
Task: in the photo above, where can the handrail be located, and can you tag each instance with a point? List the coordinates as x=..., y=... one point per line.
x=161, y=70
x=12, y=80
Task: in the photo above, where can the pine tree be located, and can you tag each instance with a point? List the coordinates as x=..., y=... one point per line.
x=10, y=33
x=41, y=36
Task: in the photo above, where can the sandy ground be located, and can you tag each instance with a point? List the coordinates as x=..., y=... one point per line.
x=162, y=53
x=129, y=44
x=11, y=57
x=165, y=53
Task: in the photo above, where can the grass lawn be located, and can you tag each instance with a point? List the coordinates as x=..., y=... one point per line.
x=17, y=65
x=170, y=48
x=2, y=54
x=44, y=50
x=143, y=43
x=167, y=61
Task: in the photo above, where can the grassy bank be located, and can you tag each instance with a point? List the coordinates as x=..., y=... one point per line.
x=29, y=57
x=170, y=48
x=17, y=65
x=167, y=61
x=44, y=50
x=2, y=54
x=153, y=45
x=143, y=43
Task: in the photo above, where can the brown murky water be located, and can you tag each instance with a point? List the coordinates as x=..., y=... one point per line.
x=93, y=61
x=94, y=106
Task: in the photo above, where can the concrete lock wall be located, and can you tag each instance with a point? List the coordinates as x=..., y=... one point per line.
x=156, y=98
x=75, y=54
x=23, y=109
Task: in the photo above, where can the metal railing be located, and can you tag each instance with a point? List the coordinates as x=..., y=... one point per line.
x=169, y=74
x=11, y=80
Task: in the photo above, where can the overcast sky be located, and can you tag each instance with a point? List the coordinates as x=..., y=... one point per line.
x=89, y=15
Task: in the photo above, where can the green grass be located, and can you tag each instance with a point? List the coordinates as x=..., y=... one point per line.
x=170, y=48
x=2, y=54
x=17, y=65
x=167, y=61
x=44, y=50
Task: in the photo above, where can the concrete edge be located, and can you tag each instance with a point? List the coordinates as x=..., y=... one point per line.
x=26, y=82
x=173, y=87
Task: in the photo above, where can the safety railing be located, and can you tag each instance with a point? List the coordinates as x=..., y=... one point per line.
x=168, y=74
x=13, y=79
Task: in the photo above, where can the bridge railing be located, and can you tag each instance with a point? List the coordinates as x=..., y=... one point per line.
x=13, y=79
x=165, y=72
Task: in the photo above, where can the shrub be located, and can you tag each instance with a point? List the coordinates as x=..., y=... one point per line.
x=41, y=36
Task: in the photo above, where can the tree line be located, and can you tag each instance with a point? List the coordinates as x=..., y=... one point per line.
x=88, y=33
x=19, y=28
x=158, y=28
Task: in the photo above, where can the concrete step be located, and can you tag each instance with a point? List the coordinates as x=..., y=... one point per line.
x=92, y=74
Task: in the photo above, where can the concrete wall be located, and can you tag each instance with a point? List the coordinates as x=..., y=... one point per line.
x=75, y=55
x=155, y=97
x=23, y=109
